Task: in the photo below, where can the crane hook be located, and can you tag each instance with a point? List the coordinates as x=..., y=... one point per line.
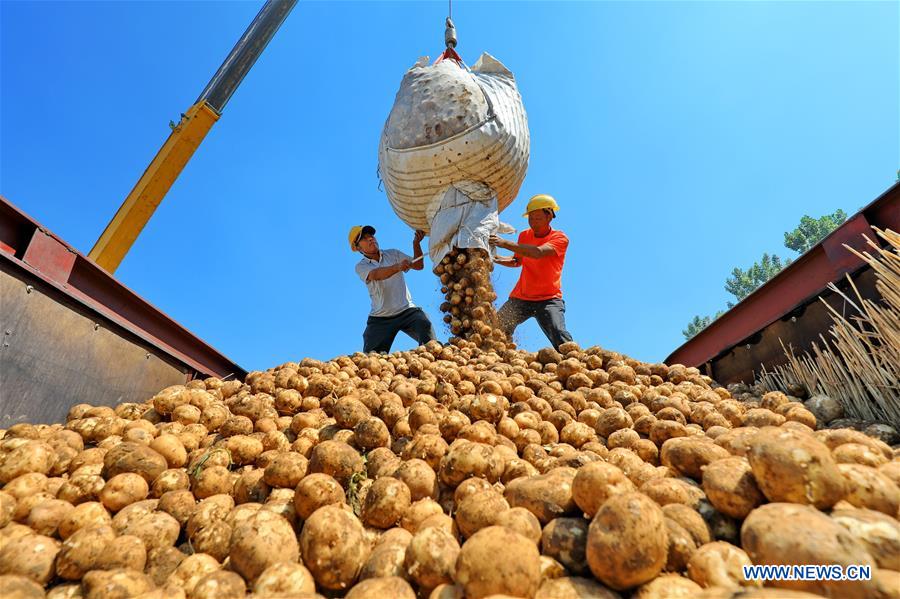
x=450, y=34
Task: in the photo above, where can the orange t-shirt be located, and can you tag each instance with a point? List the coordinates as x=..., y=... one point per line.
x=541, y=278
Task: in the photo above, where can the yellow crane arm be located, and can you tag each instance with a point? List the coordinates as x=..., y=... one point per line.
x=135, y=212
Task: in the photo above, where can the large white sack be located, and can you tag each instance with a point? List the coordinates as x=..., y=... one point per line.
x=452, y=134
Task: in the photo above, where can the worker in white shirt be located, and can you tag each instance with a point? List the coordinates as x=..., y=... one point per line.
x=392, y=307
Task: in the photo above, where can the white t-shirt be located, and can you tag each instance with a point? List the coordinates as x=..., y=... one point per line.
x=389, y=296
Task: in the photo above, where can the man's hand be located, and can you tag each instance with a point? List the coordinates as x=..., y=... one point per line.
x=405, y=265
x=418, y=237
x=506, y=261
x=497, y=241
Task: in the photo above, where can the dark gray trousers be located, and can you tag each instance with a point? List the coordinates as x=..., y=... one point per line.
x=550, y=315
x=381, y=330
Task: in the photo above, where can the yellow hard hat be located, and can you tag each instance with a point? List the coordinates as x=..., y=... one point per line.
x=358, y=231
x=540, y=202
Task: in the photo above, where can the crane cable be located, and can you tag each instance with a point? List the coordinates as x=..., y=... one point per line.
x=450, y=31
x=450, y=39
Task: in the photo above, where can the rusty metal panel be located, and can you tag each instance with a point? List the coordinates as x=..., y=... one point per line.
x=798, y=330
x=53, y=356
x=40, y=255
x=48, y=255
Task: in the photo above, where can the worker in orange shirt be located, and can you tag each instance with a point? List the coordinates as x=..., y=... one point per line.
x=540, y=252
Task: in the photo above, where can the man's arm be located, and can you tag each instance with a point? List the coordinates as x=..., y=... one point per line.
x=385, y=272
x=508, y=261
x=523, y=249
x=417, y=251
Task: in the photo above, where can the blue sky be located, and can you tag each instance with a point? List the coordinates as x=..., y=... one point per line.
x=681, y=140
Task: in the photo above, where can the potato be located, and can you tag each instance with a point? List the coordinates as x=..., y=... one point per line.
x=123, y=552
x=681, y=547
x=868, y=488
x=793, y=467
x=118, y=583
x=836, y=437
x=418, y=512
x=596, y=482
x=263, y=539
x=332, y=547
x=720, y=564
x=284, y=579
x=286, y=470
x=20, y=587
x=178, y=504
x=522, y=521
x=570, y=587
x=857, y=453
x=879, y=533
x=565, y=540
x=171, y=449
x=385, y=560
x=31, y=457
x=479, y=510
x=162, y=562
x=26, y=504
x=547, y=496
x=136, y=458
x=45, y=517
x=731, y=488
x=220, y=583
x=690, y=520
x=371, y=433
x=430, y=557
x=688, y=455
x=386, y=502
x=214, y=480
x=27, y=485
x=788, y=534
x=156, y=529
x=673, y=490
x=7, y=508
x=316, y=491
x=377, y=588
x=31, y=556
x=84, y=514
x=337, y=460
x=627, y=543
x=892, y=471
x=382, y=462
x=418, y=477
x=669, y=586
x=191, y=570
x=214, y=539
x=428, y=447
x=173, y=479
x=82, y=551
x=468, y=487
x=466, y=460
x=481, y=574
x=123, y=489
x=737, y=441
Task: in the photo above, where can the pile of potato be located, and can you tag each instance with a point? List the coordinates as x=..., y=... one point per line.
x=445, y=472
x=469, y=312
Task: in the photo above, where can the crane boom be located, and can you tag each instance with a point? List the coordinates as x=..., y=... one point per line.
x=140, y=204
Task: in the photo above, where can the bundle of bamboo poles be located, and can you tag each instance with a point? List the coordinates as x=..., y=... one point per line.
x=859, y=363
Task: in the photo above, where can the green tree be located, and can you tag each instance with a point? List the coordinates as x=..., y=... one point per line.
x=811, y=231
x=742, y=283
x=698, y=323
